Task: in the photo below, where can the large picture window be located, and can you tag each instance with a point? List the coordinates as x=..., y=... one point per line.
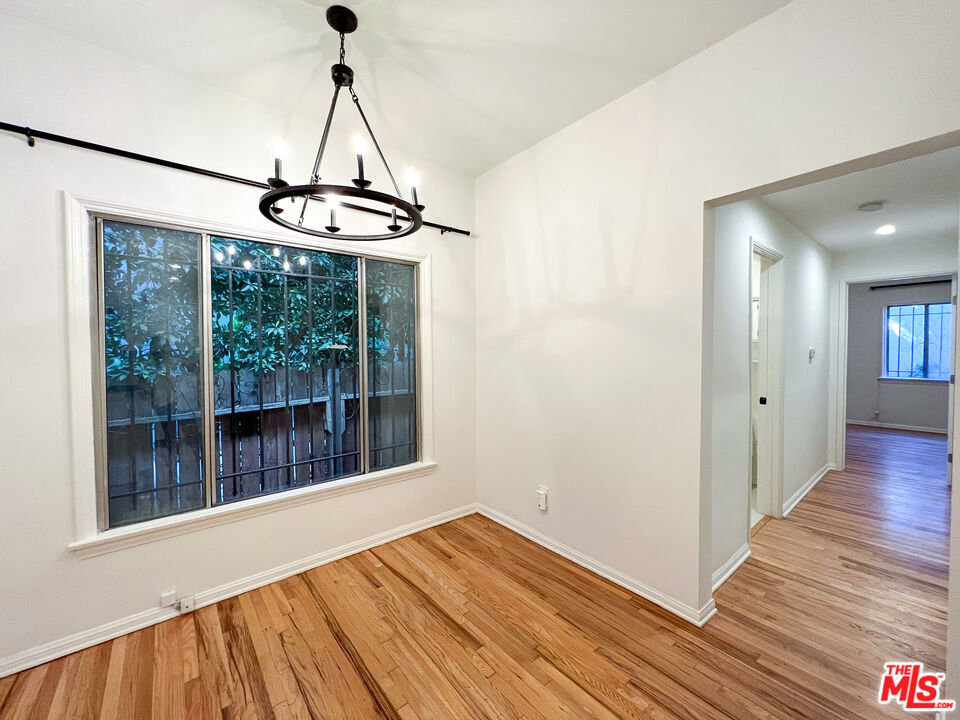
x=232, y=368
x=918, y=341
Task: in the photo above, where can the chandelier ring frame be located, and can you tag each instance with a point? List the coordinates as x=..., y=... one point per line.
x=318, y=191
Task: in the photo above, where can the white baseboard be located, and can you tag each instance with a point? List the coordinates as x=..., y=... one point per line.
x=94, y=636
x=83, y=639
x=696, y=616
x=805, y=488
x=897, y=426
x=731, y=565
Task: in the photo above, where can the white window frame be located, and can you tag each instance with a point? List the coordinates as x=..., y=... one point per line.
x=884, y=370
x=82, y=326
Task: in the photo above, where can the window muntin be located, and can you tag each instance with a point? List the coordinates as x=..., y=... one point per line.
x=152, y=356
x=918, y=341
x=275, y=333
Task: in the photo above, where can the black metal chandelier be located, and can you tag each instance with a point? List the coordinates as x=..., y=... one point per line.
x=332, y=196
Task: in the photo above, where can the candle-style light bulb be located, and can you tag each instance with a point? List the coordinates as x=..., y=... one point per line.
x=414, y=180
x=360, y=147
x=334, y=202
x=280, y=148
x=394, y=226
x=276, y=181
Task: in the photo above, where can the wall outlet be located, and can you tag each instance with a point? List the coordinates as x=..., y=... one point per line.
x=168, y=598
x=187, y=604
x=542, y=497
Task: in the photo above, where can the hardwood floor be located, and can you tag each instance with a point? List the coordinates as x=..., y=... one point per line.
x=469, y=620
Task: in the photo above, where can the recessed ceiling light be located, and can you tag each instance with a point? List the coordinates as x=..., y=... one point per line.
x=871, y=206
x=886, y=230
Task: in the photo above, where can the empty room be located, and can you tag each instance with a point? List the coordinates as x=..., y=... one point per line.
x=410, y=359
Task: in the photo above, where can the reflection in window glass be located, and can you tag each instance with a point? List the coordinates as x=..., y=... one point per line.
x=285, y=357
x=391, y=363
x=270, y=399
x=152, y=367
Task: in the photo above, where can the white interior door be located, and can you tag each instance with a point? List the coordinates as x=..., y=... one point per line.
x=766, y=382
x=761, y=398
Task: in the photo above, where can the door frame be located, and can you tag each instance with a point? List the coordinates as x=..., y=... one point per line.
x=951, y=398
x=842, y=340
x=769, y=502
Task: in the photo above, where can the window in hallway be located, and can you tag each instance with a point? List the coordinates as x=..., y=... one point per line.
x=918, y=341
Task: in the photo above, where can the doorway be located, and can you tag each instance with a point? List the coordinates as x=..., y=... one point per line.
x=888, y=224
x=896, y=361
x=766, y=338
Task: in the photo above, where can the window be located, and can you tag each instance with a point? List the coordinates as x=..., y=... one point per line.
x=152, y=372
x=918, y=341
x=231, y=368
x=391, y=356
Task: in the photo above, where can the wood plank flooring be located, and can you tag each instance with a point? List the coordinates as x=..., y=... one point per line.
x=469, y=620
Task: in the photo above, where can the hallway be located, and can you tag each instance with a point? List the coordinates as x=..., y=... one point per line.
x=855, y=576
x=470, y=620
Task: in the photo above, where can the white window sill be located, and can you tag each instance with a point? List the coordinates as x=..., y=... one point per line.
x=884, y=378
x=152, y=530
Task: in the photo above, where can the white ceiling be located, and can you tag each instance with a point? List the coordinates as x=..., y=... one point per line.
x=922, y=200
x=462, y=84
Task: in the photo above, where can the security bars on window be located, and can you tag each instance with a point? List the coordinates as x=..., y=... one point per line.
x=918, y=341
x=230, y=368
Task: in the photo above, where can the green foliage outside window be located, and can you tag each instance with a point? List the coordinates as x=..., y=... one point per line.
x=304, y=316
x=280, y=307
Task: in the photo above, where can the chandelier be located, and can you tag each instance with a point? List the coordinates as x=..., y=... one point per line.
x=331, y=196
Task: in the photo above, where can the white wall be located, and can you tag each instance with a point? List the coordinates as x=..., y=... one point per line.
x=896, y=259
x=904, y=402
x=46, y=593
x=805, y=319
x=592, y=268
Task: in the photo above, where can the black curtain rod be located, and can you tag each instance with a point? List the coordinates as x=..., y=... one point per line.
x=34, y=135
x=910, y=284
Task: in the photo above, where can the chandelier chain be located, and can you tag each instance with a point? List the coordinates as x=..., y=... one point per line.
x=342, y=52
